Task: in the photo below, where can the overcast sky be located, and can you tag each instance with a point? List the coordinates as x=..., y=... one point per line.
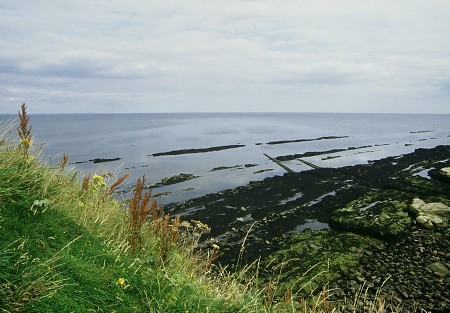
x=233, y=55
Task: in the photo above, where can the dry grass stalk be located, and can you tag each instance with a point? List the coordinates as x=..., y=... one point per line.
x=162, y=226
x=270, y=293
x=157, y=211
x=138, y=212
x=116, y=184
x=241, y=251
x=287, y=295
x=24, y=131
x=63, y=162
x=166, y=230
x=86, y=183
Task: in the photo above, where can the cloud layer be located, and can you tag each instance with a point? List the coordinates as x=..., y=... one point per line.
x=246, y=55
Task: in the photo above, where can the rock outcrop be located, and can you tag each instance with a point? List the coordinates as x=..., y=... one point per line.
x=430, y=215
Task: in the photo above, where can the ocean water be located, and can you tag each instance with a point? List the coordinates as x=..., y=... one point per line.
x=343, y=139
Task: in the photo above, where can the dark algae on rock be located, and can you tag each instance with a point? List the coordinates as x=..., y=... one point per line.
x=199, y=150
x=279, y=142
x=314, y=153
x=182, y=177
x=99, y=160
x=234, y=167
x=388, y=228
x=309, y=260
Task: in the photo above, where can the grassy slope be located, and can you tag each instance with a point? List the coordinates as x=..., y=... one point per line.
x=69, y=253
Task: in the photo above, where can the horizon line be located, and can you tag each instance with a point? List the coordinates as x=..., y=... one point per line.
x=229, y=112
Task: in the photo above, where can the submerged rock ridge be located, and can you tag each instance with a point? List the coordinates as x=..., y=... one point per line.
x=199, y=150
x=382, y=226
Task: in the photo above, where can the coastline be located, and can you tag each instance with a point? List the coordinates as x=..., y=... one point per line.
x=371, y=201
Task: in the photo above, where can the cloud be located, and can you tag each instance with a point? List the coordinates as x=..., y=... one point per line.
x=238, y=55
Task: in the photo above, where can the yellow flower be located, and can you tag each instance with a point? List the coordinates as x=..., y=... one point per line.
x=122, y=283
x=98, y=181
x=26, y=142
x=115, y=204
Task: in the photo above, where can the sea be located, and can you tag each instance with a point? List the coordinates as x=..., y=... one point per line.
x=225, y=150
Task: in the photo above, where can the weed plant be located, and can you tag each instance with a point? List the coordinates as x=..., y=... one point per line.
x=68, y=245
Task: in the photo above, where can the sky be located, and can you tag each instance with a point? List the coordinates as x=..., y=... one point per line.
x=389, y=56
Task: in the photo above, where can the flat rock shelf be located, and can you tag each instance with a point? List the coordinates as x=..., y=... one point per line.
x=360, y=223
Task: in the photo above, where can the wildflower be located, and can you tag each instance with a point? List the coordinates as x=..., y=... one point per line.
x=115, y=204
x=201, y=226
x=98, y=182
x=122, y=283
x=26, y=142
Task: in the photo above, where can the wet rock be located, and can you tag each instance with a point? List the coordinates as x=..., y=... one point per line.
x=430, y=215
x=200, y=150
x=446, y=171
x=102, y=160
x=364, y=260
x=307, y=248
x=428, y=221
x=182, y=177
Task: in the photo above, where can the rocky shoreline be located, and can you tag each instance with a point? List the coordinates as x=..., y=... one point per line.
x=371, y=221
x=412, y=272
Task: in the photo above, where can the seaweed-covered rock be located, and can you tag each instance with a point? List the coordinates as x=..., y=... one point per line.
x=430, y=215
x=307, y=261
x=182, y=177
x=376, y=214
x=439, y=269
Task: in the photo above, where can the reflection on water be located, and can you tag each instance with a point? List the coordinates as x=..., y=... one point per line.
x=134, y=138
x=309, y=224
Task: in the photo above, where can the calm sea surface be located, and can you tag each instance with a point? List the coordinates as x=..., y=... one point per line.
x=134, y=138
